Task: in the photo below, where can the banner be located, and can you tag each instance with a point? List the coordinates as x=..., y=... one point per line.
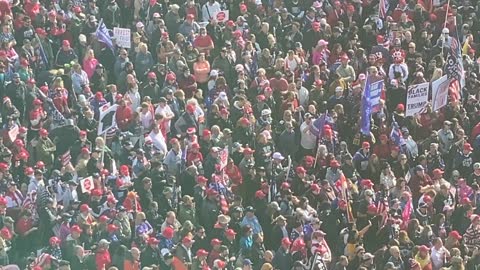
x=417, y=98
x=122, y=37
x=87, y=184
x=221, y=16
x=376, y=89
x=106, y=120
x=440, y=92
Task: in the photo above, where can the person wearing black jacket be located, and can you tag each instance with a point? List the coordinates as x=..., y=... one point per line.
x=151, y=254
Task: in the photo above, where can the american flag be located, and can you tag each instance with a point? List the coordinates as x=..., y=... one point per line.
x=454, y=67
x=454, y=89
x=382, y=209
x=383, y=8
x=41, y=260
x=65, y=158
x=30, y=201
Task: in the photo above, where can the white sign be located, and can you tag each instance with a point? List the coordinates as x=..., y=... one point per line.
x=417, y=98
x=122, y=37
x=440, y=93
x=221, y=16
x=223, y=154
x=107, y=120
x=87, y=184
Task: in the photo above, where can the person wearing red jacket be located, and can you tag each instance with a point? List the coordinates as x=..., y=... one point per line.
x=124, y=114
x=279, y=84
x=194, y=157
x=32, y=8
x=234, y=173
x=382, y=150
x=102, y=256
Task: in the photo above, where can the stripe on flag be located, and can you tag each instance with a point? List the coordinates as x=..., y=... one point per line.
x=65, y=158
x=382, y=9
x=454, y=89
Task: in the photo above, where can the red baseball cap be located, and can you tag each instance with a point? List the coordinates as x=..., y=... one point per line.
x=260, y=195
x=215, y=242
x=76, y=228
x=286, y=241
x=300, y=169
x=202, y=252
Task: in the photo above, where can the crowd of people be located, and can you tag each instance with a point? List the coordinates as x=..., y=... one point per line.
x=229, y=135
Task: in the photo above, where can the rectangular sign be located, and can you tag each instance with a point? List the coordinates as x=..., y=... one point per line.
x=106, y=120
x=87, y=184
x=122, y=37
x=376, y=89
x=440, y=92
x=221, y=16
x=417, y=98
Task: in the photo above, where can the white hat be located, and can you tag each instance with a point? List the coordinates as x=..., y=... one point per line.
x=338, y=89
x=139, y=25
x=214, y=72
x=239, y=68
x=222, y=95
x=82, y=38
x=278, y=156
x=322, y=42
x=267, y=134
x=266, y=112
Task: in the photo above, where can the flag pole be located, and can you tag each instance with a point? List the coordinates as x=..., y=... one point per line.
x=445, y=26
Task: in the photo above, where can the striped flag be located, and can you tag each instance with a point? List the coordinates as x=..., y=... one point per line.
x=383, y=8
x=30, y=202
x=65, y=158
x=454, y=68
x=103, y=35
x=382, y=209
x=454, y=89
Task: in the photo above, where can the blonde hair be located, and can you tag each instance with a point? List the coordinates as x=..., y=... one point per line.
x=140, y=217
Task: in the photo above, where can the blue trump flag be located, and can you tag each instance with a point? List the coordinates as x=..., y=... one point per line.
x=366, y=109
x=396, y=134
x=103, y=35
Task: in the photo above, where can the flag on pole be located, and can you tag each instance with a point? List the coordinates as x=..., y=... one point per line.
x=103, y=35
x=42, y=51
x=454, y=68
x=342, y=183
x=454, y=89
x=396, y=135
x=407, y=211
x=383, y=9
x=366, y=109
x=382, y=210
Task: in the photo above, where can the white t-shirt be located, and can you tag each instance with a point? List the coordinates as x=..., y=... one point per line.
x=167, y=112
x=307, y=140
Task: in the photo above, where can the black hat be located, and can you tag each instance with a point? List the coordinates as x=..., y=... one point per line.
x=249, y=209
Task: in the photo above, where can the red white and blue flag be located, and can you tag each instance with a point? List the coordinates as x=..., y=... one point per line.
x=454, y=69
x=383, y=8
